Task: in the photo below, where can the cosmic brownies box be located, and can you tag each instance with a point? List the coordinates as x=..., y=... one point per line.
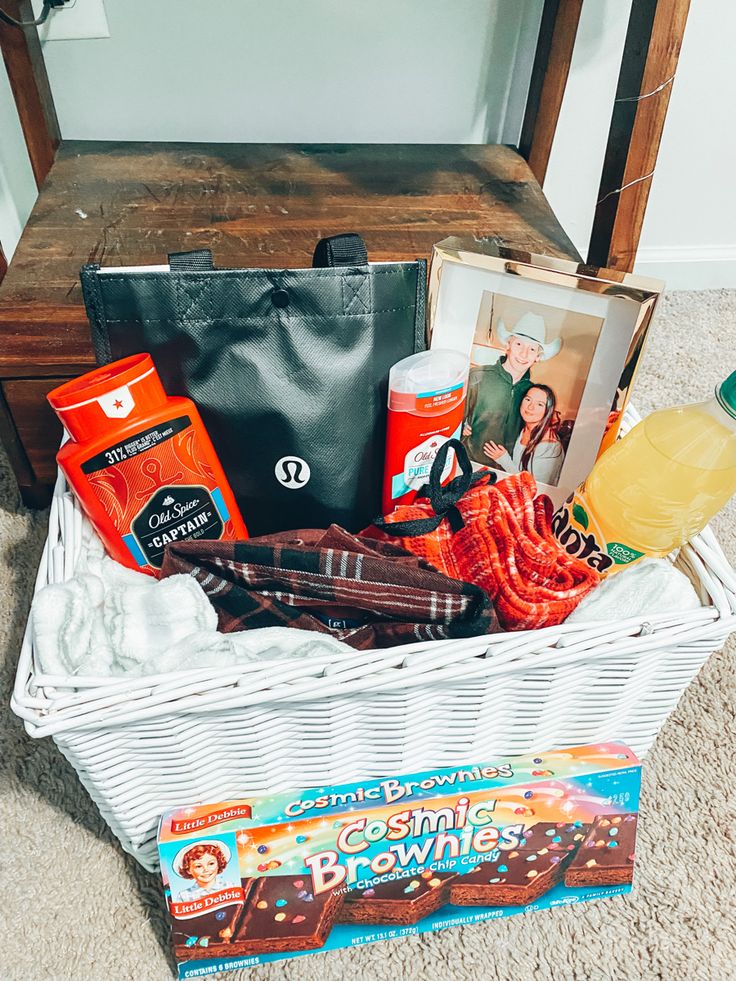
x=256, y=880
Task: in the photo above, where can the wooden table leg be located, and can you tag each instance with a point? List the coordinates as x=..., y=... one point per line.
x=648, y=67
x=557, y=32
x=29, y=82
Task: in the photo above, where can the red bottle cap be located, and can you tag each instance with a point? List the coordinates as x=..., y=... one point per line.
x=107, y=397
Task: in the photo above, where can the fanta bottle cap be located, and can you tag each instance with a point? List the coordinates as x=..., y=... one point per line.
x=726, y=394
x=107, y=397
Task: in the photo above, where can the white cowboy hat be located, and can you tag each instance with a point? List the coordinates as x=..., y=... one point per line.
x=531, y=327
x=176, y=864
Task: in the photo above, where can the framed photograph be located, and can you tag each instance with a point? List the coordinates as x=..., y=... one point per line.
x=553, y=348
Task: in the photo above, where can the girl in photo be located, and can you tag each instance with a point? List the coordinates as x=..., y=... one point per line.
x=538, y=449
x=203, y=863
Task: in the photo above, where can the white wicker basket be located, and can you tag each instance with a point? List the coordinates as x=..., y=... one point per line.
x=141, y=746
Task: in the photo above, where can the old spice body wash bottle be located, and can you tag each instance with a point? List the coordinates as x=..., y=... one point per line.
x=141, y=463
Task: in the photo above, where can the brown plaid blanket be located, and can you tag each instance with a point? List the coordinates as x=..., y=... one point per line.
x=365, y=593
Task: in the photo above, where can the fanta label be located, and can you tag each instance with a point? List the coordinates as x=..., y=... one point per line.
x=579, y=532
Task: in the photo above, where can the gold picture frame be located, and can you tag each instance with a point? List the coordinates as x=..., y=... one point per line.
x=475, y=285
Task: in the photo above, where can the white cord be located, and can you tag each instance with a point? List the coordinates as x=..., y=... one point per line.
x=637, y=98
x=623, y=188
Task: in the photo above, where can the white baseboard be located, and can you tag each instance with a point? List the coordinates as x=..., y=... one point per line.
x=700, y=267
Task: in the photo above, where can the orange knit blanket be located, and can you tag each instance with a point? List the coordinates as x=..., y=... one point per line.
x=506, y=547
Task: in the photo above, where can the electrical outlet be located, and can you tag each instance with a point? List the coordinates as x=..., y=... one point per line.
x=78, y=19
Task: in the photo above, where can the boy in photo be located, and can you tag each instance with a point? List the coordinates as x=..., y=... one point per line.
x=495, y=392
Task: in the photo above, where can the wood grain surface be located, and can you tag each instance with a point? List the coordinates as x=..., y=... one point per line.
x=253, y=205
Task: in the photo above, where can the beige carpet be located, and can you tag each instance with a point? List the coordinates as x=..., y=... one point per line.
x=76, y=907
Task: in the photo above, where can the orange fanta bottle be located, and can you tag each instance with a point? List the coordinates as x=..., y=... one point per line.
x=657, y=487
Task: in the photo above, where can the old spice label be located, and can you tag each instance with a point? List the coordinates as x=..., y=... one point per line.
x=413, y=465
x=579, y=531
x=173, y=514
x=157, y=489
x=418, y=464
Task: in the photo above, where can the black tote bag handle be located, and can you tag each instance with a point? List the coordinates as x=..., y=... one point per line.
x=335, y=250
x=198, y=260
x=340, y=250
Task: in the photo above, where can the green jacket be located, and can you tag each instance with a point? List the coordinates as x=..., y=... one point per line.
x=492, y=408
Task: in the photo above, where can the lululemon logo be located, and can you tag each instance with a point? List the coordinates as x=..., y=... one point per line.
x=292, y=472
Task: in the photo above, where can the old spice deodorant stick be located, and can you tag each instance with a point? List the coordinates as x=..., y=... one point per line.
x=141, y=463
x=426, y=400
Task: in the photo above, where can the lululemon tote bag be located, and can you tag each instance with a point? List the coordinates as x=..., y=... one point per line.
x=289, y=368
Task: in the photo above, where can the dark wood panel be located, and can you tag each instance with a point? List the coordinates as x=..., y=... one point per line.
x=13, y=446
x=29, y=82
x=651, y=52
x=36, y=424
x=267, y=205
x=557, y=32
x=38, y=339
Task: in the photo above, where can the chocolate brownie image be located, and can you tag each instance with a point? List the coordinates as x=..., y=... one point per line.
x=559, y=836
x=606, y=857
x=515, y=879
x=282, y=914
x=402, y=901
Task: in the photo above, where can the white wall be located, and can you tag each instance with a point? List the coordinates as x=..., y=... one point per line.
x=293, y=71
x=17, y=185
x=575, y=164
